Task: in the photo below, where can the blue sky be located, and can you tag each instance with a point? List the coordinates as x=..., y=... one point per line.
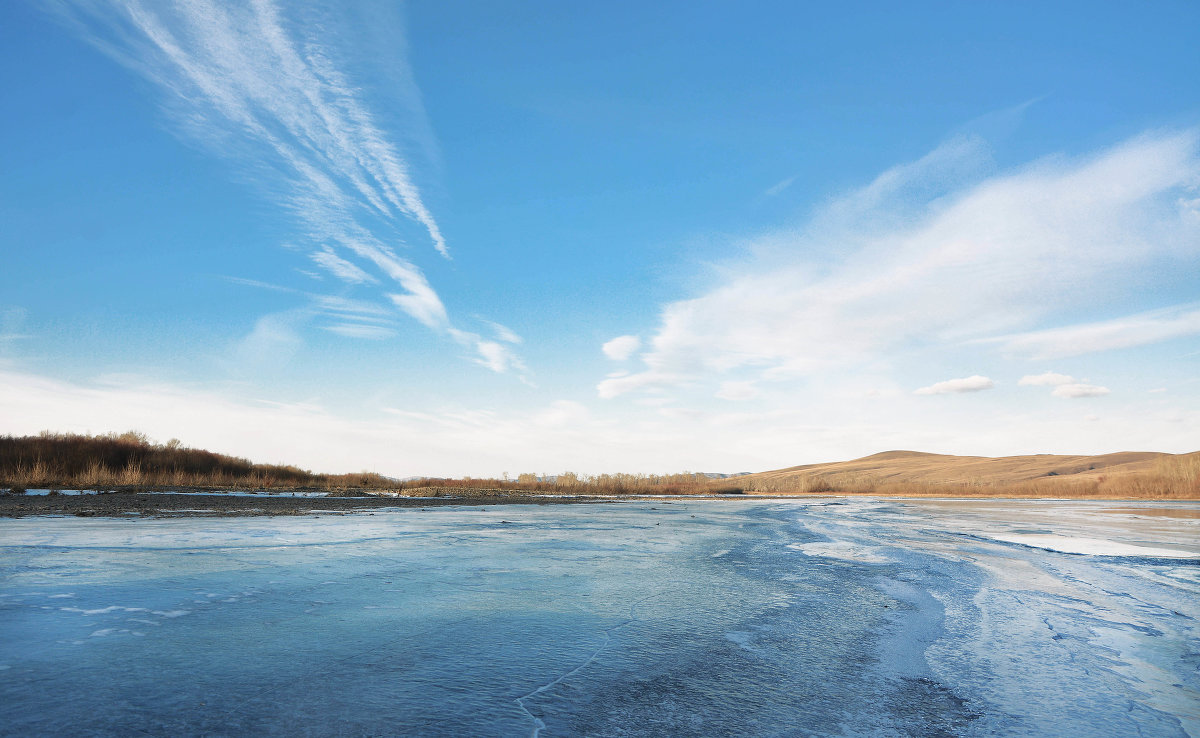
x=453, y=238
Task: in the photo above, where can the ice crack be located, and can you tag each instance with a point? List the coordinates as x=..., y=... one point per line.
x=538, y=724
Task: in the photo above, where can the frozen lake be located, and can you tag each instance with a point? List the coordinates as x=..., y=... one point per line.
x=860, y=617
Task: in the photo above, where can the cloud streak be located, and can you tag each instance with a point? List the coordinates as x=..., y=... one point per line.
x=270, y=91
x=1076, y=390
x=975, y=383
x=1106, y=335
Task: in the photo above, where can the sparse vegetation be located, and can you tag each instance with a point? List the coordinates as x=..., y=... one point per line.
x=131, y=461
x=911, y=474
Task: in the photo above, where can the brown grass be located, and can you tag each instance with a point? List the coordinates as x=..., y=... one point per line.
x=1130, y=475
x=131, y=461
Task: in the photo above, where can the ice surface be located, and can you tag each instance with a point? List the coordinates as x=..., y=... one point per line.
x=718, y=617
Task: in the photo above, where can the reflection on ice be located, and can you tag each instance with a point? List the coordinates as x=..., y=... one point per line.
x=852, y=617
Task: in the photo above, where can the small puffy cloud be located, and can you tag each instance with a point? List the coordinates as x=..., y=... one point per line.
x=1076, y=390
x=974, y=383
x=1049, y=379
x=621, y=347
x=737, y=391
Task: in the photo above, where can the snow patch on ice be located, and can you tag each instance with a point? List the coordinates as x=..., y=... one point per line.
x=1092, y=546
x=103, y=610
x=841, y=550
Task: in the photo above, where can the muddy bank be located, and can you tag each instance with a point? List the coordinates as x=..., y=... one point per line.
x=199, y=505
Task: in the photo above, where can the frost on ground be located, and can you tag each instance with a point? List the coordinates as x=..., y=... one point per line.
x=660, y=617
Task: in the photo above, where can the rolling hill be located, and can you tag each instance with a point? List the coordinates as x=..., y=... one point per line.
x=1123, y=474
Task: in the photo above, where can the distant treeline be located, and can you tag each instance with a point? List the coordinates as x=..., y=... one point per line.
x=131, y=460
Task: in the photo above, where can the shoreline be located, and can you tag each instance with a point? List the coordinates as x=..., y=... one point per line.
x=174, y=504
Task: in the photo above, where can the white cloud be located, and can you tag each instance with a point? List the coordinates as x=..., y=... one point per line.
x=491, y=354
x=974, y=383
x=274, y=339
x=340, y=268
x=267, y=86
x=1077, y=390
x=503, y=332
x=621, y=347
x=615, y=386
x=779, y=187
x=243, y=72
x=1048, y=379
x=922, y=257
x=360, y=330
x=737, y=391
x=1106, y=335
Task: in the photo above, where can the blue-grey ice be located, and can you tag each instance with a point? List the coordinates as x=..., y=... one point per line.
x=858, y=617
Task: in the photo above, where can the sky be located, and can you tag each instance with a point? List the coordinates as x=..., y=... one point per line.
x=483, y=238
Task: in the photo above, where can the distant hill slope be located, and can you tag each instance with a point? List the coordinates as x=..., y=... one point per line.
x=898, y=472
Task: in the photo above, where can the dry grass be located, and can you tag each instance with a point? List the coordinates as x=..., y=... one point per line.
x=906, y=473
x=131, y=461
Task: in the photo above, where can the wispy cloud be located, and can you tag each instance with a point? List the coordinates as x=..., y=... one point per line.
x=12, y=326
x=939, y=253
x=1076, y=390
x=621, y=347
x=737, y=391
x=360, y=330
x=340, y=268
x=1064, y=385
x=779, y=187
x=267, y=85
x=502, y=332
x=1047, y=379
x=975, y=383
x=349, y=317
x=1106, y=335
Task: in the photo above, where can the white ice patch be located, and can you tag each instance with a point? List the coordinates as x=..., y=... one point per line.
x=841, y=550
x=103, y=610
x=743, y=639
x=1092, y=546
x=105, y=632
x=720, y=553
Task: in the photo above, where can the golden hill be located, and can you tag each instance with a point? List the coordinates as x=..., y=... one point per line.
x=1125, y=474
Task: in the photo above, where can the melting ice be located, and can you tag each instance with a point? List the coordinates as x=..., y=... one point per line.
x=706, y=618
